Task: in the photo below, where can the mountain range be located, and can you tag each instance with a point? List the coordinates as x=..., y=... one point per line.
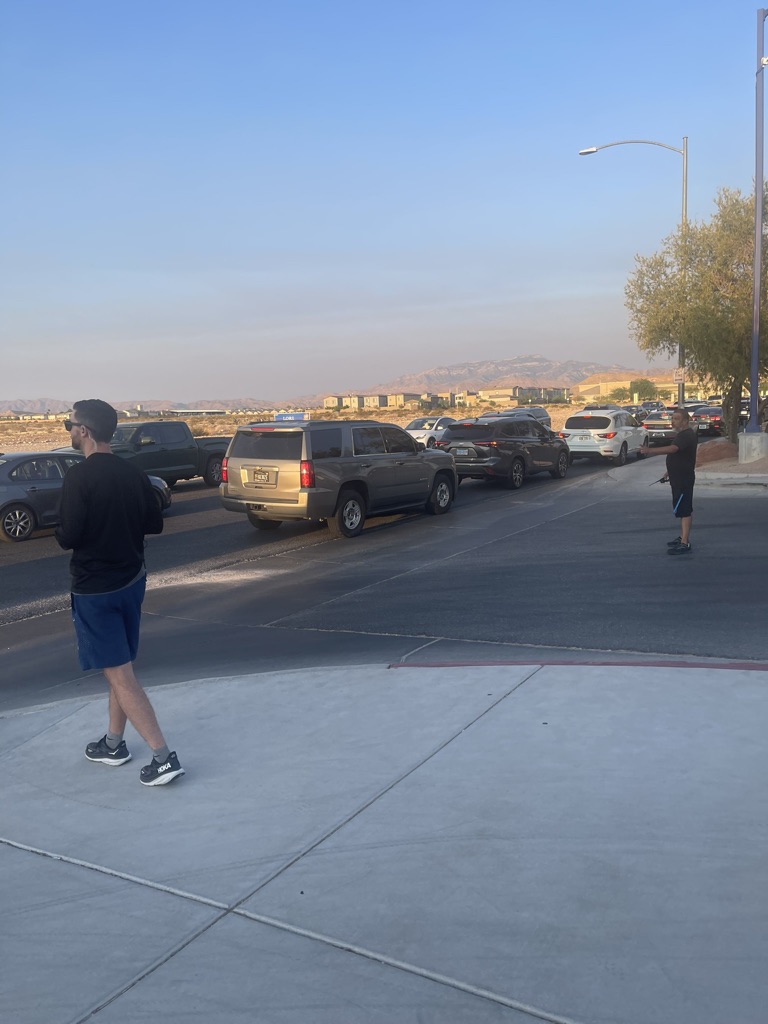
x=525, y=371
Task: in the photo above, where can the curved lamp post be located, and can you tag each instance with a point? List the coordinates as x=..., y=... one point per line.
x=684, y=221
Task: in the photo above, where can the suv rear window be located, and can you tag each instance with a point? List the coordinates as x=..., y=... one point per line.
x=468, y=430
x=587, y=423
x=275, y=445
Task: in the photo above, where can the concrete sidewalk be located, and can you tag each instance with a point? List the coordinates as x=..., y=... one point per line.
x=452, y=845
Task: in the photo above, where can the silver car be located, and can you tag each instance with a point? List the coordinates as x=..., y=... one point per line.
x=332, y=471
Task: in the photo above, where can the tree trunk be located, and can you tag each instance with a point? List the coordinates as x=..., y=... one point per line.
x=731, y=408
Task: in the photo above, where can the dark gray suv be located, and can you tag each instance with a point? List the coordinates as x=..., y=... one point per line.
x=332, y=470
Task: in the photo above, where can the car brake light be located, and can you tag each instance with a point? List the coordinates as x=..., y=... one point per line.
x=485, y=444
x=609, y=436
x=307, y=474
x=563, y=434
x=224, y=477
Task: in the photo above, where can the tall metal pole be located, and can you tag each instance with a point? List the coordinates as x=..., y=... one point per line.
x=754, y=369
x=684, y=222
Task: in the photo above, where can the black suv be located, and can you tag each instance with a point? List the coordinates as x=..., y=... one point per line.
x=508, y=450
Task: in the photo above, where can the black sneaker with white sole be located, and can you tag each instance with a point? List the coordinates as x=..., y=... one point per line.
x=158, y=773
x=99, y=751
x=680, y=549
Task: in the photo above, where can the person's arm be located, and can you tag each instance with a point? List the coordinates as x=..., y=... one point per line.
x=668, y=449
x=69, y=532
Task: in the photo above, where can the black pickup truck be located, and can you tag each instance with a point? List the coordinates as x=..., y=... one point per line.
x=166, y=448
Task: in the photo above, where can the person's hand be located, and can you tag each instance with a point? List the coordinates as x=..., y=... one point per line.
x=664, y=479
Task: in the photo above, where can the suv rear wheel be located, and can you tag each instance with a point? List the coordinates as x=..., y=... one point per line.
x=516, y=475
x=349, y=518
x=441, y=498
x=621, y=458
x=561, y=468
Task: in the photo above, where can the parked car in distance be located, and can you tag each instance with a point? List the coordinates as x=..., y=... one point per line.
x=604, y=435
x=30, y=489
x=536, y=412
x=653, y=405
x=428, y=429
x=659, y=427
x=708, y=420
x=333, y=472
x=505, y=449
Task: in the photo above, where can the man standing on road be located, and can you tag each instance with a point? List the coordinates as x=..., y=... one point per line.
x=107, y=506
x=681, y=474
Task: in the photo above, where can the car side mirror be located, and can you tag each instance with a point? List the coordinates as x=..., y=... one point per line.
x=145, y=441
x=421, y=446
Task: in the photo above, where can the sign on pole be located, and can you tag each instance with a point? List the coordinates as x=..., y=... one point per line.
x=679, y=377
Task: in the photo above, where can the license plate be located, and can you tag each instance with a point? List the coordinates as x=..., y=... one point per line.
x=462, y=451
x=584, y=437
x=260, y=476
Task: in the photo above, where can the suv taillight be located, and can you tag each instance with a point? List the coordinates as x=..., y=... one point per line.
x=224, y=477
x=609, y=436
x=307, y=474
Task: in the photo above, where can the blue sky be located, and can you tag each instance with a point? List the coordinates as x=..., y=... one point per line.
x=272, y=198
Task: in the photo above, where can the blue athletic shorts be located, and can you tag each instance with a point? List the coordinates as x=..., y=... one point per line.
x=107, y=626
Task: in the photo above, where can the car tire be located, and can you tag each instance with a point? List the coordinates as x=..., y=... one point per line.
x=349, y=518
x=440, y=500
x=621, y=458
x=562, y=467
x=516, y=475
x=430, y=442
x=17, y=523
x=264, y=524
x=212, y=474
x=159, y=499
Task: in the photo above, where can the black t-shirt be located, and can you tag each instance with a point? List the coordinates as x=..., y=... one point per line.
x=107, y=505
x=681, y=465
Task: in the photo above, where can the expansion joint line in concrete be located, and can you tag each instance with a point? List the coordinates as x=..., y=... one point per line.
x=270, y=922
x=236, y=908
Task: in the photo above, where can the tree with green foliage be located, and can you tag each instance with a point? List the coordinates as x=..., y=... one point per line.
x=643, y=388
x=697, y=291
x=620, y=395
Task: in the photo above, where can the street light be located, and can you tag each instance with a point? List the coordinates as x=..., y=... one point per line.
x=684, y=154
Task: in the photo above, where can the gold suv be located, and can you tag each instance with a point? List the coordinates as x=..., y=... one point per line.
x=340, y=472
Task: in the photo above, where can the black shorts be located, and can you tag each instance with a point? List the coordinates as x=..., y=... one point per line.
x=682, y=497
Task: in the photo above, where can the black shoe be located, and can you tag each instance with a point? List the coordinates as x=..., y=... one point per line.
x=681, y=549
x=100, y=752
x=158, y=773
x=674, y=543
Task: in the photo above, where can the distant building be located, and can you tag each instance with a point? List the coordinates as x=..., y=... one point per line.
x=352, y=402
x=374, y=401
x=401, y=400
x=333, y=402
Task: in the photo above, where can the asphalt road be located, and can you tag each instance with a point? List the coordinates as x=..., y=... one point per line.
x=559, y=570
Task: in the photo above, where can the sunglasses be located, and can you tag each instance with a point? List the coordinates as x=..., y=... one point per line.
x=68, y=424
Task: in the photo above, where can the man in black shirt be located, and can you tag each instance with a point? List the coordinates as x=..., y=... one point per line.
x=107, y=506
x=681, y=473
